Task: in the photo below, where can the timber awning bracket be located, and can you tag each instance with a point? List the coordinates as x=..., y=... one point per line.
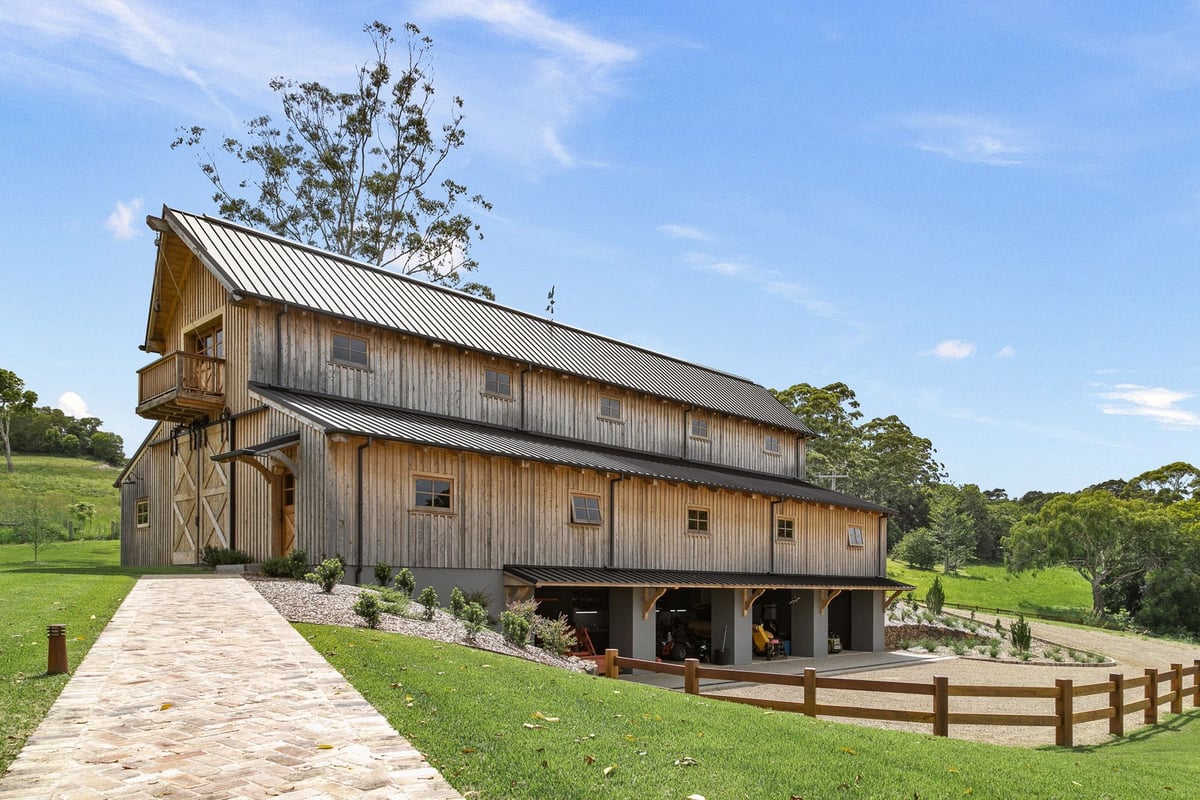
x=888, y=599
x=650, y=596
x=827, y=596
x=749, y=596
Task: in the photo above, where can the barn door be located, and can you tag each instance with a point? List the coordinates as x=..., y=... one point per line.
x=287, y=533
x=201, y=497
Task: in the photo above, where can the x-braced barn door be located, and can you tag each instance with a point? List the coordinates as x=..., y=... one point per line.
x=287, y=533
x=201, y=496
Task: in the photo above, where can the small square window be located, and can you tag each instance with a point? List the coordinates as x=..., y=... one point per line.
x=142, y=512
x=497, y=382
x=785, y=528
x=585, y=509
x=855, y=537
x=697, y=520
x=771, y=444
x=610, y=408
x=432, y=493
x=349, y=350
x=699, y=427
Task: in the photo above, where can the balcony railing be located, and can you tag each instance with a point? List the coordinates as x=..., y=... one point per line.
x=181, y=387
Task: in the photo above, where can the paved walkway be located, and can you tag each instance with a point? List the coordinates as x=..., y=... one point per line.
x=199, y=689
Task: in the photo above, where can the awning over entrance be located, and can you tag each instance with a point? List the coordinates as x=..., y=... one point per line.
x=538, y=576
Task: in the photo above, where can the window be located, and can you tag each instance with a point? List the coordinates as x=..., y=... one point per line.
x=349, y=350
x=699, y=427
x=210, y=342
x=585, y=509
x=610, y=408
x=771, y=444
x=432, y=493
x=785, y=528
x=142, y=512
x=497, y=382
x=856, y=537
x=697, y=520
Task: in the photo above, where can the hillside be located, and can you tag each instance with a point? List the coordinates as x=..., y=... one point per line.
x=55, y=482
x=1054, y=592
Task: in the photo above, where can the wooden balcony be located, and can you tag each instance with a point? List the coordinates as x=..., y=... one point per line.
x=181, y=387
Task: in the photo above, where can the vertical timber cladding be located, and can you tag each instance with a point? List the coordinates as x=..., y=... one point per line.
x=821, y=545
x=652, y=522
x=200, y=491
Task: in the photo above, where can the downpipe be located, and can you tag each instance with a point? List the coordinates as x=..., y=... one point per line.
x=359, y=515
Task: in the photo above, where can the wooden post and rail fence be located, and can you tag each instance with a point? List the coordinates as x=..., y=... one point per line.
x=1063, y=693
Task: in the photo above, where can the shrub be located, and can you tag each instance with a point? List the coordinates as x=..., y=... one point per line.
x=557, y=635
x=458, y=602
x=935, y=598
x=405, y=581
x=367, y=606
x=994, y=650
x=429, y=599
x=481, y=597
x=515, y=627
x=1020, y=634
x=214, y=556
x=918, y=549
x=999, y=626
x=393, y=601
x=293, y=565
x=474, y=618
x=327, y=574
x=958, y=647
x=527, y=609
x=383, y=574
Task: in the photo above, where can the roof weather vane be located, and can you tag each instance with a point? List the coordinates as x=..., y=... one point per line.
x=550, y=307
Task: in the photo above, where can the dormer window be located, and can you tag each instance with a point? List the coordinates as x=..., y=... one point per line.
x=349, y=350
x=771, y=444
x=610, y=408
x=699, y=428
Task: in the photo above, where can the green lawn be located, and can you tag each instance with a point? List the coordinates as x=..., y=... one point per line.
x=77, y=583
x=506, y=728
x=1054, y=592
x=57, y=482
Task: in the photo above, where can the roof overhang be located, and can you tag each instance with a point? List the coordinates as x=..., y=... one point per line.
x=605, y=577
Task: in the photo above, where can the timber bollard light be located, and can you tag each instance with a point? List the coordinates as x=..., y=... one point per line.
x=56, y=659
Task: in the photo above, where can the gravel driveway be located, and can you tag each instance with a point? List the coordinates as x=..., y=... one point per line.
x=1132, y=654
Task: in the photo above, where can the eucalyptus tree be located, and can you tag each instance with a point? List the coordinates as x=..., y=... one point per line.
x=15, y=399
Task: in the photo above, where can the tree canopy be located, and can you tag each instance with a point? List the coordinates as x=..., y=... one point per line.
x=354, y=171
x=15, y=400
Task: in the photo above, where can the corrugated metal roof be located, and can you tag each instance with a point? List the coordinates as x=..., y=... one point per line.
x=680, y=579
x=336, y=415
x=255, y=264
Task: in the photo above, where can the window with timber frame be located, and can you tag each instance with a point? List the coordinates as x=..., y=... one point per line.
x=771, y=444
x=699, y=429
x=854, y=537
x=610, y=408
x=348, y=350
x=585, y=509
x=433, y=494
x=697, y=520
x=497, y=382
x=141, y=512
x=785, y=529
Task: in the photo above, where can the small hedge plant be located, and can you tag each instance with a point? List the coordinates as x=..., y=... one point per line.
x=293, y=565
x=429, y=599
x=383, y=573
x=215, y=556
x=327, y=574
x=367, y=606
x=405, y=581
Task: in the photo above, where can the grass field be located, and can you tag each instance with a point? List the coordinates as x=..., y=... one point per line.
x=57, y=482
x=1054, y=592
x=77, y=583
x=507, y=728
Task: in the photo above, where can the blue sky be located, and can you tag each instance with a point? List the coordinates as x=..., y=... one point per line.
x=981, y=217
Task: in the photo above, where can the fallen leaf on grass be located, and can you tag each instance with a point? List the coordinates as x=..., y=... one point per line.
x=609, y=770
x=324, y=746
x=533, y=727
x=952, y=769
x=695, y=797
x=468, y=750
x=540, y=715
x=686, y=761
x=589, y=760
x=849, y=751
x=165, y=706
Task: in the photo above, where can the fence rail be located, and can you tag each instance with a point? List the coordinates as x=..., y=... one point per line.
x=1063, y=694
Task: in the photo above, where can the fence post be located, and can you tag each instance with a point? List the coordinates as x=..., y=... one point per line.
x=941, y=705
x=1177, y=688
x=1196, y=684
x=1064, y=709
x=610, y=663
x=691, y=679
x=1116, y=700
x=810, y=692
x=1151, y=716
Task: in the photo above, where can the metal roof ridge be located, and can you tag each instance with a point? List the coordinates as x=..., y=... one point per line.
x=352, y=262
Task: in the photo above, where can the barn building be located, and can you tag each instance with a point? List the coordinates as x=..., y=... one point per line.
x=305, y=400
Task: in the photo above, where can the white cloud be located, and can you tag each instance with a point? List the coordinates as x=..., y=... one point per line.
x=684, y=232
x=1008, y=351
x=968, y=138
x=1157, y=403
x=124, y=218
x=774, y=283
x=73, y=405
x=953, y=350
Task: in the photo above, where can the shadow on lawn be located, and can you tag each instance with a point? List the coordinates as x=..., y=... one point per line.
x=1175, y=724
x=132, y=572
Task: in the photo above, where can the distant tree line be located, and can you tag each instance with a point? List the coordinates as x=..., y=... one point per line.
x=1135, y=541
x=28, y=428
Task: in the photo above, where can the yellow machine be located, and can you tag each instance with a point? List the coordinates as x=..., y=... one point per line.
x=765, y=643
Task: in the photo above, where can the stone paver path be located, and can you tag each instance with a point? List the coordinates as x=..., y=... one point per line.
x=198, y=688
